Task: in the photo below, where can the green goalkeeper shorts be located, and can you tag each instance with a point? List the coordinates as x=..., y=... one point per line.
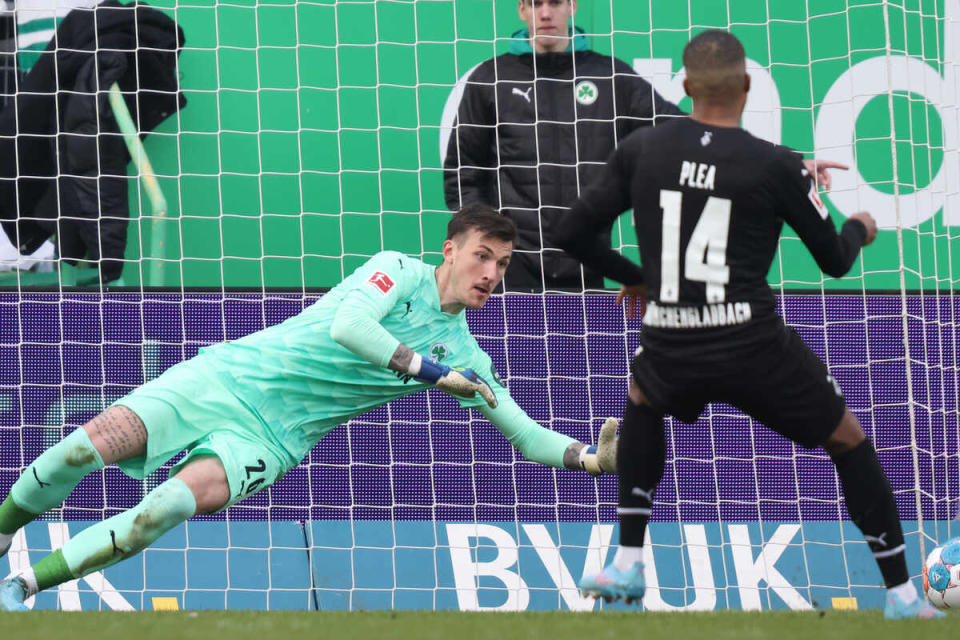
x=188, y=408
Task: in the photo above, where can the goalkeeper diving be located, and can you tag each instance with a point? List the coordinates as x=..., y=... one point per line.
x=247, y=411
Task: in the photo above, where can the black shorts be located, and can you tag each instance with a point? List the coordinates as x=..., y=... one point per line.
x=779, y=382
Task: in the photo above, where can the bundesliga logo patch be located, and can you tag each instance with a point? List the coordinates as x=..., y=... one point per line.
x=816, y=201
x=381, y=281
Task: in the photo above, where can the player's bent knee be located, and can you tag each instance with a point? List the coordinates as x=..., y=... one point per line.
x=846, y=436
x=117, y=434
x=207, y=479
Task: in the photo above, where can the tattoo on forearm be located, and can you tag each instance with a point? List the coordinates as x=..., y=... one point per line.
x=571, y=457
x=400, y=361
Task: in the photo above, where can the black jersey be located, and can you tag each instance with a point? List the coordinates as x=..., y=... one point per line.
x=709, y=205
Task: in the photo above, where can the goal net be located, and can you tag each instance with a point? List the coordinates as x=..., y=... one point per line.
x=313, y=137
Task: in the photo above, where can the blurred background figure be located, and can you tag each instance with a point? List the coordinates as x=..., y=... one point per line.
x=534, y=126
x=63, y=160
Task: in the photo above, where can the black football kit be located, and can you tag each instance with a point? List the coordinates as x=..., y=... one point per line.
x=709, y=205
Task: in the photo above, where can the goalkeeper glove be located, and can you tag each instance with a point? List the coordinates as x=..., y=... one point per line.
x=602, y=457
x=458, y=382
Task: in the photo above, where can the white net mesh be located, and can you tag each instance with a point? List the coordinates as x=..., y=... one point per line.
x=309, y=141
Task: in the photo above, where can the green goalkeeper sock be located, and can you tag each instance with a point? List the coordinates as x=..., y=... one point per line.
x=127, y=534
x=51, y=571
x=114, y=539
x=51, y=478
x=12, y=518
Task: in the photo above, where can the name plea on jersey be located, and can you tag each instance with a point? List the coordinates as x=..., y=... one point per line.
x=697, y=175
x=708, y=315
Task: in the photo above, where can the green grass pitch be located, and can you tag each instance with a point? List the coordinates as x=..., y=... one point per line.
x=278, y=625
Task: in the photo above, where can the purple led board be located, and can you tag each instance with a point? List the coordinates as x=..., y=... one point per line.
x=564, y=358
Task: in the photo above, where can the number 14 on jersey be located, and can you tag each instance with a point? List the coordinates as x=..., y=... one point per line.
x=705, y=259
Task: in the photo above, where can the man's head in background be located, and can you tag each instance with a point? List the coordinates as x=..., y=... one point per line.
x=548, y=22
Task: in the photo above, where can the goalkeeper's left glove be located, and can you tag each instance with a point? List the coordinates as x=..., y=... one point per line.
x=465, y=383
x=602, y=457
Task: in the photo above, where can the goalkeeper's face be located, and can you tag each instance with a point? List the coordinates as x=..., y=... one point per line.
x=477, y=263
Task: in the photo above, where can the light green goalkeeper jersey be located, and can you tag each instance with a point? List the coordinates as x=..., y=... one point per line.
x=303, y=382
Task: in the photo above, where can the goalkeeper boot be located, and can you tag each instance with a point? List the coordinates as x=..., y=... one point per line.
x=919, y=608
x=611, y=584
x=12, y=594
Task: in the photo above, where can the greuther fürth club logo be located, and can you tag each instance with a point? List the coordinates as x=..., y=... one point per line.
x=438, y=351
x=586, y=92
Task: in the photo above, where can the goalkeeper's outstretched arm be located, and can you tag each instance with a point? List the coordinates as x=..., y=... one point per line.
x=550, y=447
x=357, y=327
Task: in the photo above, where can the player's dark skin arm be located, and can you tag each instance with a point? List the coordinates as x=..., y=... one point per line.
x=400, y=362
x=579, y=235
x=581, y=232
x=836, y=252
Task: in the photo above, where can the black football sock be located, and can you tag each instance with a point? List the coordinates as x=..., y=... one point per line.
x=640, y=458
x=872, y=508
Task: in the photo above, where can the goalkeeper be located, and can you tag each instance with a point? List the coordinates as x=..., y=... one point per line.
x=249, y=410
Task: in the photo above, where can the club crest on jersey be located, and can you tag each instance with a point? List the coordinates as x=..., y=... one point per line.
x=381, y=282
x=438, y=351
x=586, y=92
x=706, y=138
x=817, y=202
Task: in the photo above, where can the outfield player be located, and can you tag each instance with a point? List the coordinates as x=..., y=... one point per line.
x=249, y=410
x=709, y=204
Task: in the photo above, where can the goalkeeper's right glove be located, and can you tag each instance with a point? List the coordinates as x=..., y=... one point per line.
x=602, y=457
x=458, y=382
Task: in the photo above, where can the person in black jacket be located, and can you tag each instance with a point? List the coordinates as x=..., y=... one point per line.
x=63, y=161
x=534, y=126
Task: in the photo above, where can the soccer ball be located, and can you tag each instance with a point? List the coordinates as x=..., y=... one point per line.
x=941, y=575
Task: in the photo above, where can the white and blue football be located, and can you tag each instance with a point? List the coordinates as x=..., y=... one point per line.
x=941, y=575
